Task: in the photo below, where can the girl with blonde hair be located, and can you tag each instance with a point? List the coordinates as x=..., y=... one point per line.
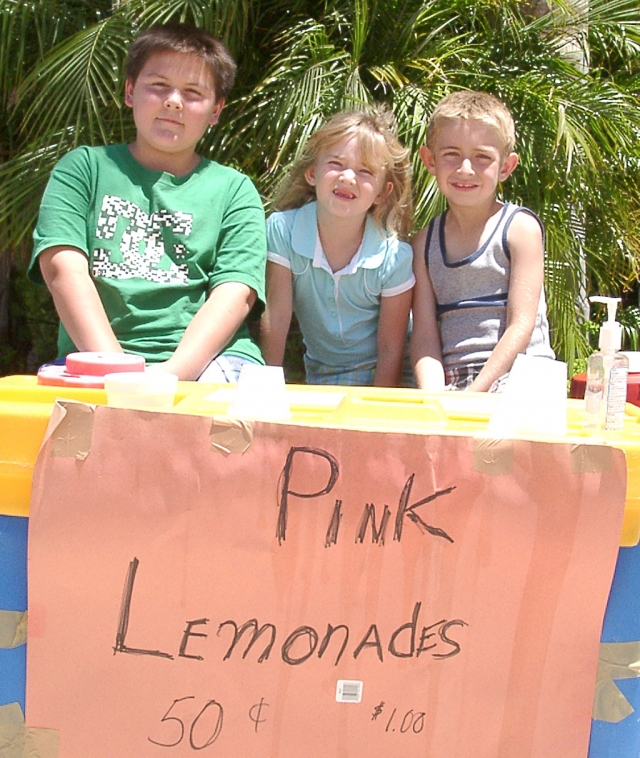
x=337, y=256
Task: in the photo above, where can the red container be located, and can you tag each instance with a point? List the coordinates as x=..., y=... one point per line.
x=579, y=383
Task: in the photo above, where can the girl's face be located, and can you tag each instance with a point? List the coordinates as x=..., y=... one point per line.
x=345, y=186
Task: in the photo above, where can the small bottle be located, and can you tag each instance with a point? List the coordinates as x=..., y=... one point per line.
x=606, y=392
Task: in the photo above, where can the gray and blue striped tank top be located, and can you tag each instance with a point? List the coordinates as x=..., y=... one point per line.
x=472, y=295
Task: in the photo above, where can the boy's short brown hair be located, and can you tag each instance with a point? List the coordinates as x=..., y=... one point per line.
x=184, y=38
x=476, y=106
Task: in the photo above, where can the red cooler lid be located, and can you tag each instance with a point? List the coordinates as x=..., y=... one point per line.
x=88, y=369
x=58, y=376
x=99, y=364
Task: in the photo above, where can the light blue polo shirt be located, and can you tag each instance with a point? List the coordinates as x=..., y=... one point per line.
x=339, y=311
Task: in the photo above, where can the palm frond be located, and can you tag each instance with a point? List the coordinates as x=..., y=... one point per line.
x=77, y=84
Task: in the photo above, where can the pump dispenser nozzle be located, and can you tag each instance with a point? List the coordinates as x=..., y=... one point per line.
x=610, y=339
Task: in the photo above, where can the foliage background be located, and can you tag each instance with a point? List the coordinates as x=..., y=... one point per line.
x=568, y=70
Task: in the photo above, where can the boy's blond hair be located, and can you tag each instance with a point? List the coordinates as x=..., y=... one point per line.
x=380, y=149
x=474, y=106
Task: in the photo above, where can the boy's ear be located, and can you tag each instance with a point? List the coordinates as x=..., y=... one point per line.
x=217, y=110
x=509, y=165
x=128, y=93
x=427, y=157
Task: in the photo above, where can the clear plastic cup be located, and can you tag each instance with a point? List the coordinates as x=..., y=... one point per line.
x=261, y=394
x=143, y=390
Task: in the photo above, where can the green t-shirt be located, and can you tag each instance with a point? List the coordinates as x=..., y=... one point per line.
x=157, y=244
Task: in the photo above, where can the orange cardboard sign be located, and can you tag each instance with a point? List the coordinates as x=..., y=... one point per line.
x=323, y=593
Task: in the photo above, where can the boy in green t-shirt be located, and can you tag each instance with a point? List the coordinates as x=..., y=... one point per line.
x=148, y=248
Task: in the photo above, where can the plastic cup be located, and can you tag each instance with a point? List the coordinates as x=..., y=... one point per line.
x=142, y=390
x=634, y=361
x=533, y=401
x=261, y=394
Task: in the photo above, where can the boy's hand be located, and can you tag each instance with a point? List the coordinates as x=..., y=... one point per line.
x=65, y=271
x=430, y=375
x=210, y=330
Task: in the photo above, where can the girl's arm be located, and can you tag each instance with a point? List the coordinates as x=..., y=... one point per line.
x=392, y=338
x=425, y=347
x=276, y=319
x=66, y=274
x=525, y=284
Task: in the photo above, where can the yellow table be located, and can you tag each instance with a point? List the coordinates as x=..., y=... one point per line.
x=25, y=408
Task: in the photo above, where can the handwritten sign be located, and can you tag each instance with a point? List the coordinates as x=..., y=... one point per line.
x=323, y=593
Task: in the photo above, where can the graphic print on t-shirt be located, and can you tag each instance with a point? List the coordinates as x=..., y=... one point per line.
x=144, y=242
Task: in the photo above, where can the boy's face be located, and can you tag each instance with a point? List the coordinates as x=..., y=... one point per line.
x=466, y=159
x=173, y=101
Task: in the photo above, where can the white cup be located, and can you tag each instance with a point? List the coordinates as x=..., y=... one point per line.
x=261, y=394
x=534, y=399
x=149, y=390
x=634, y=361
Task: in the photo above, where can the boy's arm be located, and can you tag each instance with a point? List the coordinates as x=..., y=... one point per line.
x=392, y=338
x=210, y=329
x=525, y=284
x=425, y=348
x=65, y=271
x=276, y=319
x=235, y=271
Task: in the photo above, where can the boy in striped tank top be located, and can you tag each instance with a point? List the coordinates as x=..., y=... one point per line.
x=479, y=267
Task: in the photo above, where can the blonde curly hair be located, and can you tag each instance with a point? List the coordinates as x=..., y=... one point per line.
x=380, y=149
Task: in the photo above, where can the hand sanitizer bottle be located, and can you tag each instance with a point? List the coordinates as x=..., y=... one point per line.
x=607, y=371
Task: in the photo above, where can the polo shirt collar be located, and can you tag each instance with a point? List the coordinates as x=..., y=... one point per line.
x=304, y=236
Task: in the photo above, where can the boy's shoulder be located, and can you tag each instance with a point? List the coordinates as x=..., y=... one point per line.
x=524, y=231
x=226, y=180
x=207, y=164
x=98, y=152
x=119, y=157
x=518, y=219
x=91, y=161
x=522, y=216
x=89, y=153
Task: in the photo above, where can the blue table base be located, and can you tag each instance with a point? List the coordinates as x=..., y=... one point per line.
x=13, y=597
x=622, y=624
